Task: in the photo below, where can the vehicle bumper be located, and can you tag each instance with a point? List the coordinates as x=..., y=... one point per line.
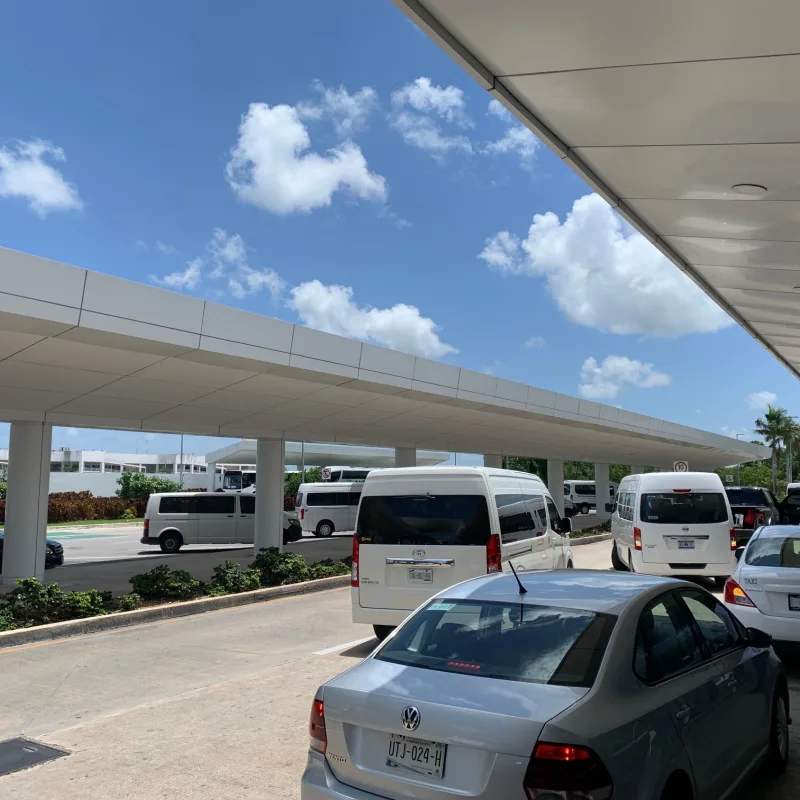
x=663, y=568
x=377, y=616
x=781, y=629
x=55, y=560
x=292, y=534
x=149, y=540
x=319, y=783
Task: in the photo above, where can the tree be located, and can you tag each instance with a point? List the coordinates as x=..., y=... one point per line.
x=140, y=485
x=772, y=428
x=293, y=480
x=536, y=466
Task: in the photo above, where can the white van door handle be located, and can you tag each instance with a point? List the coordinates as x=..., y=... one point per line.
x=423, y=562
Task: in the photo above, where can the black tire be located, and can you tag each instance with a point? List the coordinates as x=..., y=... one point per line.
x=778, y=754
x=719, y=581
x=324, y=529
x=616, y=562
x=570, y=565
x=382, y=631
x=585, y=509
x=170, y=541
x=631, y=568
x=678, y=788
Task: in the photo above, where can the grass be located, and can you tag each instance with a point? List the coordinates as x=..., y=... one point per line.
x=93, y=522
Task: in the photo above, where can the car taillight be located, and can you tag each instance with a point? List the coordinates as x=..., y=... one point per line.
x=354, y=566
x=567, y=772
x=637, y=538
x=736, y=596
x=493, y=554
x=316, y=726
x=734, y=546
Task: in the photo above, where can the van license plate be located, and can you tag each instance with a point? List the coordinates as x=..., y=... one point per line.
x=794, y=602
x=418, y=755
x=685, y=544
x=420, y=575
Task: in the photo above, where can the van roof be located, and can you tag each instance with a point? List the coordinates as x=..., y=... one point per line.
x=411, y=472
x=328, y=486
x=655, y=481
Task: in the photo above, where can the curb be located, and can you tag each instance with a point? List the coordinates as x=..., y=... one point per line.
x=600, y=537
x=124, y=619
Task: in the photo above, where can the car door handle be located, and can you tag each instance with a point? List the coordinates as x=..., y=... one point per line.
x=683, y=714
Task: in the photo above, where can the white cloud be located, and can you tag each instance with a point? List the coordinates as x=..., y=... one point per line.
x=605, y=276
x=758, y=401
x=166, y=249
x=348, y=112
x=73, y=433
x=535, y=342
x=497, y=109
x=252, y=281
x=604, y=381
x=270, y=167
x=423, y=96
x=426, y=134
x=517, y=139
x=188, y=278
x=25, y=173
x=401, y=327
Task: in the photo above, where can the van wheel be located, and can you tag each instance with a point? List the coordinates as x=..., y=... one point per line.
x=324, y=529
x=779, y=733
x=570, y=565
x=616, y=562
x=719, y=582
x=585, y=508
x=382, y=631
x=170, y=542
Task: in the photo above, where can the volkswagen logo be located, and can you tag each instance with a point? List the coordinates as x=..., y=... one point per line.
x=410, y=718
x=418, y=553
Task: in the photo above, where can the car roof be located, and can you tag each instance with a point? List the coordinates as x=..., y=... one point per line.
x=775, y=531
x=587, y=590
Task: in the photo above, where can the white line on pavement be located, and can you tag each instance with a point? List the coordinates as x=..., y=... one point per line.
x=342, y=646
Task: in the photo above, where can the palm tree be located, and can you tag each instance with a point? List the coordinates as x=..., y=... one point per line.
x=772, y=428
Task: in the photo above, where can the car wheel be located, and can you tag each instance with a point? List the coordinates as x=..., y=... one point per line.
x=324, y=529
x=382, y=631
x=779, y=733
x=570, y=565
x=616, y=562
x=170, y=542
x=585, y=509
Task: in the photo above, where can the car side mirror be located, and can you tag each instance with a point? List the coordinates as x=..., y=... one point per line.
x=565, y=526
x=739, y=551
x=757, y=638
x=609, y=508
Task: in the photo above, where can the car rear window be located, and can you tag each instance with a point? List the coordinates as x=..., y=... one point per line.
x=746, y=497
x=693, y=508
x=774, y=551
x=506, y=641
x=454, y=519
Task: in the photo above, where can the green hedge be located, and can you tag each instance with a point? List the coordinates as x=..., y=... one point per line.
x=79, y=506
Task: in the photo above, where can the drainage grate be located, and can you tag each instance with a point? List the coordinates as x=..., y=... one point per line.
x=20, y=753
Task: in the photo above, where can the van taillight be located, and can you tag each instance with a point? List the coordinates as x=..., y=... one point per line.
x=146, y=526
x=354, y=566
x=302, y=513
x=316, y=726
x=637, y=538
x=566, y=771
x=493, y=554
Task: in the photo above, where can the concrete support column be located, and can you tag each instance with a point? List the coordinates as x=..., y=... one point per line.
x=405, y=457
x=601, y=491
x=637, y=470
x=493, y=460
x=270, y=458
x=211, y=477
x=26, y=501
x=555, y=482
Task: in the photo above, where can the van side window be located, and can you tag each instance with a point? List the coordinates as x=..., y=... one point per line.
x=535, y=504
x=555, y=517
x=353, y=498
x=177, y=505
x=216, y=504
x=583, y=488
x=247, y=504
x=516, y=522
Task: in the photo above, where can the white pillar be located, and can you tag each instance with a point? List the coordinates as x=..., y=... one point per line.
x=270, y=458
x=555, y=482
x=405, y=457
x=601, y=491
x=636, y=470
x=493, y=460
x=211, y=477
x=26, y=501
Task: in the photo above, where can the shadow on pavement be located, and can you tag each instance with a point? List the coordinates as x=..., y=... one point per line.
x=360, y=650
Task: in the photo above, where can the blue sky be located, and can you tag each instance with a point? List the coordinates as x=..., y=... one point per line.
x=327, y=164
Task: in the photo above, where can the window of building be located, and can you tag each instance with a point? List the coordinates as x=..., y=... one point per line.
x=166, y=469
x=113, y=467
x=70, y=466
x=55, y=466
x=92, y=466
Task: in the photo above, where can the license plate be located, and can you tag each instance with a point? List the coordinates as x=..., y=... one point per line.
x=794, y=602
x=685, y=544
x=420, y=575
x=418, y=755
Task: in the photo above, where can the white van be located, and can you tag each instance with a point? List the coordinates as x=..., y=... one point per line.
x=177, y=518
x=323, y=508
x=673, y=523
x=422, y=529
x=583, y=494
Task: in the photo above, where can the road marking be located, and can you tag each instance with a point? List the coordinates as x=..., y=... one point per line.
x=337, y=647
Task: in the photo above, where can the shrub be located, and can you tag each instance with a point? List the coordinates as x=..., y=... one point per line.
x=140, y=485
x=129, y=513
x=7, y=621
x=163, y=583
x=277, y=569
x=33, y=603
x=230, y=578
x=327, y=569
x=84, y=604
x=129, y=602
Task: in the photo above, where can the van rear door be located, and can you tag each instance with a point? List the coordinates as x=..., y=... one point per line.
x=684, y=526
x=414, y=544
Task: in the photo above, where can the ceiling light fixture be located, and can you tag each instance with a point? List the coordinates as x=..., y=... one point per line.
x=749, y=189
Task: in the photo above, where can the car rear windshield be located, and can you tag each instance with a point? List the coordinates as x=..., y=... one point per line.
x=507, y=641
x=746, y=497
x=455, y=519
x=774, y=551
x=693, y=508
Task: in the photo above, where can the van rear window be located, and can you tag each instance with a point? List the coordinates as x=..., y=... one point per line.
x=684, y=509
x=458, y=519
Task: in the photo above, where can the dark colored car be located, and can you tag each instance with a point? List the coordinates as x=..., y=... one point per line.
x=54, y=556
x=292, y=530
x=752, y=507
x=790, y=508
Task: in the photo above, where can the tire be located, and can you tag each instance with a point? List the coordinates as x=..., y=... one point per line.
x=170, y=541
x=778, y=754
x=631, y=568
x=382, y=631
x=719, y=581
x=585, y=509
x=570, y=565
x=616, y=562
x=324, y=529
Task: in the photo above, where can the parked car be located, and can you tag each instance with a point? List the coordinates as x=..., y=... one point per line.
x=752, y=507
x=583, y=494
x=292, y=531
x=764, y=589
x=566, y=685
x=790, y=508
x=328, y=506
x=570, y=509
x=53, y=557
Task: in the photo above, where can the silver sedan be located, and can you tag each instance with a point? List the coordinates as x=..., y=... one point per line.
x=564, y=686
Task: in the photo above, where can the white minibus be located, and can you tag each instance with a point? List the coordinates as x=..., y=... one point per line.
x=673, y=523
x=324, y=508
x=583, y=494
x=422, y=529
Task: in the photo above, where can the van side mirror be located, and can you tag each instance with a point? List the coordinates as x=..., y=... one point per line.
x=565, y=526
x=609, y=508
x=757, y=638
x=739, y=551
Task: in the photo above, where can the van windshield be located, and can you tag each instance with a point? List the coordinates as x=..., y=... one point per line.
x=455, y=519
x=684, y=509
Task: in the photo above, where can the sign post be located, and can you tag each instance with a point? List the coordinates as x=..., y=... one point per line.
x=680, y=466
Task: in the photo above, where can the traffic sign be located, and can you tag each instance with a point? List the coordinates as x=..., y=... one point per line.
x=729, y=479
x=680, y=466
